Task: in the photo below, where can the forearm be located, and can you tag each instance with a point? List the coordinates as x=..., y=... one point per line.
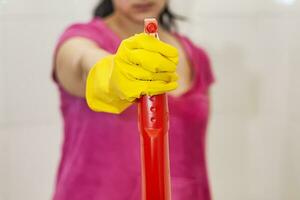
x=88, y=60
x=73, y=62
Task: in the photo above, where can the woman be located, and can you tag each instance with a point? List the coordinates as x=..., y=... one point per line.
x=95, y=71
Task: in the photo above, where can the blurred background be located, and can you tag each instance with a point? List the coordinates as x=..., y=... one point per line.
x=254, y=132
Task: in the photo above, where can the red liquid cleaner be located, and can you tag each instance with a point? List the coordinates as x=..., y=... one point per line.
x=153, y=123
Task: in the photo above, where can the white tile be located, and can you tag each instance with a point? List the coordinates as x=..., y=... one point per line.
x=31, y=96
x=247, y=156
x=4, y=167
x=273, y=56
x=34, y=154
x=2, y=83
x=229, y=6
x=293, y=63
x=226, y=150
x=266, y=157
x=278, y=56
x=233, y=8
x=282, y=7
x=292, y=178
x=54, y=8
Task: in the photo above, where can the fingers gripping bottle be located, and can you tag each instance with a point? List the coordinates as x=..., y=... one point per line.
x=153, y=124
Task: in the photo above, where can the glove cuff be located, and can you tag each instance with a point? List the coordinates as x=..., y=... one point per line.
x=98, y=94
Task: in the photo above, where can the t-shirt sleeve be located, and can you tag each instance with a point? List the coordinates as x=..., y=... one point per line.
x=85, y=30
x=207, y=77
x=79, y=30
x=200, y=58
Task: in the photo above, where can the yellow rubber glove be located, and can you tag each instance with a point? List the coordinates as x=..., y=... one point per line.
x=142, y=65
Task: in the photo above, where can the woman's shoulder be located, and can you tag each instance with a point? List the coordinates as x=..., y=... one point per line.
x=92, y=29
x=95, y=24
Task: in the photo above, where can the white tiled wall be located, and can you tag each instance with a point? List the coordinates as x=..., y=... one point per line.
x=254, y=132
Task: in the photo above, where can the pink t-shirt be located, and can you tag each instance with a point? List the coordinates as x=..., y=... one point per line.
x=100, y=158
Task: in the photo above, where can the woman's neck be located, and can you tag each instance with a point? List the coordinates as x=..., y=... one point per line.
x=123, y=26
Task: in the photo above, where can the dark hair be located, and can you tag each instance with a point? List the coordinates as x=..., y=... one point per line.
x=166, y=18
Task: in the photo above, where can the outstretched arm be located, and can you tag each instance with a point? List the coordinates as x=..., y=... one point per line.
x=73, y=61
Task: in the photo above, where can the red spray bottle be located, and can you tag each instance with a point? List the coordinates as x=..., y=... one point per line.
x=153, y=123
